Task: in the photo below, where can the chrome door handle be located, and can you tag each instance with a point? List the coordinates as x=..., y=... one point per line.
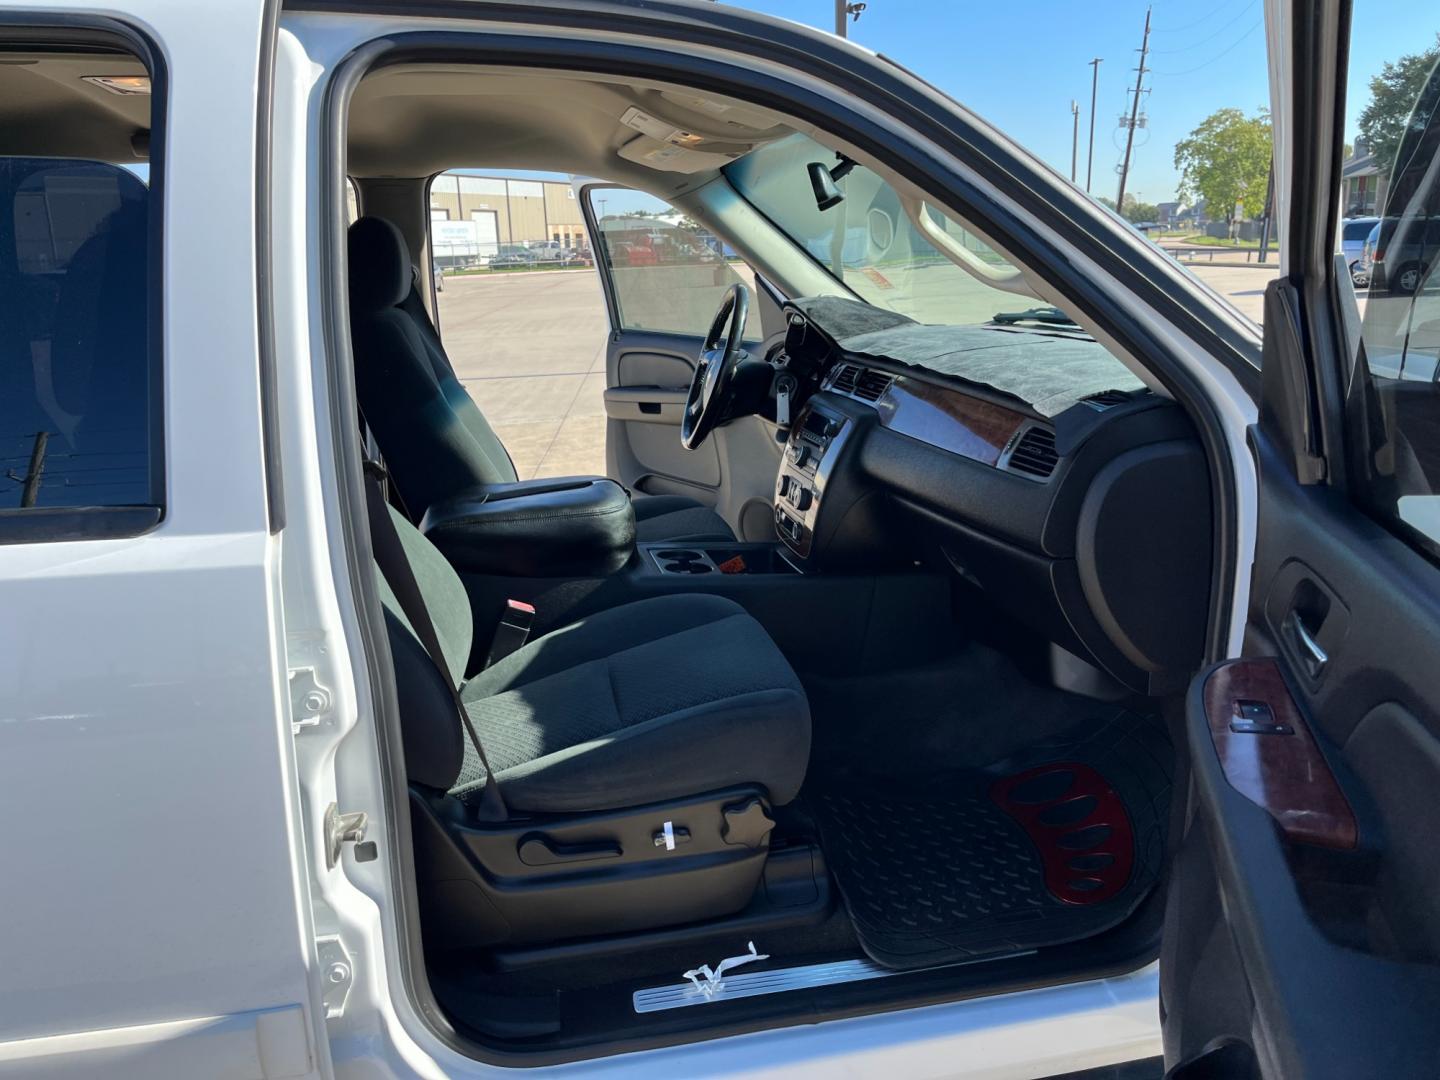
x=1312, y=654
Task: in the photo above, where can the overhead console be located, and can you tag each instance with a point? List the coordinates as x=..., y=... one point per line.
x=1076, y=522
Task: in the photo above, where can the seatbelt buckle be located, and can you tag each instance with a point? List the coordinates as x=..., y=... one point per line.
x=513, y=630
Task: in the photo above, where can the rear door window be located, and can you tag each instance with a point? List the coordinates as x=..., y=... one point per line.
x=77, y=361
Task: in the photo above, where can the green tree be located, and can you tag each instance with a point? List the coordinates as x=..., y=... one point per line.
x=1135, y=211
x=1393, y=94
x=1226, y=161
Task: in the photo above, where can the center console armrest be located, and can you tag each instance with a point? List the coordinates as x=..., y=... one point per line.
x=573, y=526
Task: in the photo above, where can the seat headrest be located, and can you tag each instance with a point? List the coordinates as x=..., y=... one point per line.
x=379, y=265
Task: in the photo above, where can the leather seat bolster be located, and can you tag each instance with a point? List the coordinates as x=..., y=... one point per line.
x=580, y=526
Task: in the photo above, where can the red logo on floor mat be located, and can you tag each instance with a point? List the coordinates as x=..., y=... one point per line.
x=1078, y=823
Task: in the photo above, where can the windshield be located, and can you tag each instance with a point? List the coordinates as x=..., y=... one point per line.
x=870, y=243
x=955, y=306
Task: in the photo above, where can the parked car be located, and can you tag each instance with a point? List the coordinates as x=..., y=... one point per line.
x=513, y=255
x=549, y=251
x=1353, y=232
x=970, y=652
x=1401, y=251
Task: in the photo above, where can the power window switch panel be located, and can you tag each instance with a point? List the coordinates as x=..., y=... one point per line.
x=1256, y=718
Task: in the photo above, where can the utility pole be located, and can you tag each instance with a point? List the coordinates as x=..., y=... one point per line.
x=30, y=482
x=842, y=9
x=1269, y=213
x=1074, y=139
x=1094, y=85
x=1134, y=115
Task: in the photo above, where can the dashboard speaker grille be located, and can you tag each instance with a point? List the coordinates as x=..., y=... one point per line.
x=1035, y=453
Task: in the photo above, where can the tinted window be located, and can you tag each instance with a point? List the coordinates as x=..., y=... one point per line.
x=1401, y=322
x=1358, y=230
x=667, y=272
x=75, y=354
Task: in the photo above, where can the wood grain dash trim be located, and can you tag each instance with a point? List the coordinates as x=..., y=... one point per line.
x=949, y=419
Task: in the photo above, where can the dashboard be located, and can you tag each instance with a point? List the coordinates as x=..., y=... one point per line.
x=1075, y=522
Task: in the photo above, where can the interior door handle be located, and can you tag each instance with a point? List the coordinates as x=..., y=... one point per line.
x=1312, y=655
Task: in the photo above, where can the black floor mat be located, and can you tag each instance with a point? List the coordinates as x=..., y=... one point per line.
x=1057, y=844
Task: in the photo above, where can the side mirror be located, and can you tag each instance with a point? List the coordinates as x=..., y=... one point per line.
x=827, y=192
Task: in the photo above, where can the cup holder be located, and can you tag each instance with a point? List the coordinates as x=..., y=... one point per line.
x=686, y=566
x=682, y=560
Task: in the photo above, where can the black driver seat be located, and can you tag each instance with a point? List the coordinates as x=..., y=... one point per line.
x=435, y=440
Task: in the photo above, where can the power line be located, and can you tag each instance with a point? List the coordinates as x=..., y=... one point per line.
x=1190, y=25
x=1222, y=53
x=1206, y=40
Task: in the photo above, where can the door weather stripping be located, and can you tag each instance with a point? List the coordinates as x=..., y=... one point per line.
x=705, y=986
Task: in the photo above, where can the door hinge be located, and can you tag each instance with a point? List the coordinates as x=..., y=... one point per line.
x=309, y=700
x=342, y=829
x=337, y=974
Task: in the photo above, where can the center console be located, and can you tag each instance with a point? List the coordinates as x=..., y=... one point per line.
x=814, y=444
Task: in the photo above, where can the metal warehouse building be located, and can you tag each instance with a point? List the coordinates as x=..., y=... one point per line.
x=475, y=217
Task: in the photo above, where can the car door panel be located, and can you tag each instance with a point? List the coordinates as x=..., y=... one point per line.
x=647, y=377
x=1301, y=935
x=663, y=283
x=1325, y=894
x=154, y=915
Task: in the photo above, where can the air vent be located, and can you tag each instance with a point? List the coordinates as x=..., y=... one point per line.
x=1035, y=453
x=844, y=381
x=1106, y=399
x=872, y=384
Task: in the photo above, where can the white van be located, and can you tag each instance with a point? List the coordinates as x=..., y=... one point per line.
x=970, y=665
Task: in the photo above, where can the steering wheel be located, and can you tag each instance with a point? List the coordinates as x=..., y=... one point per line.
x=709, y=389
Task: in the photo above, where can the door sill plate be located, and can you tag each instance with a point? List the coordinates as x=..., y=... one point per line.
x=754, y=983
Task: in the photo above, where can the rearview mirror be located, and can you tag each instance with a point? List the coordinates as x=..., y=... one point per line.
x=827, y=192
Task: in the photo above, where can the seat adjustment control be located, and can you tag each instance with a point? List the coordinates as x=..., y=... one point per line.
x=669, y=836
x=539, y=850
x=747, y=824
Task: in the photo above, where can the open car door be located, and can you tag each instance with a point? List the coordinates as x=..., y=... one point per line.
x=1303, y=927
x=664, y=278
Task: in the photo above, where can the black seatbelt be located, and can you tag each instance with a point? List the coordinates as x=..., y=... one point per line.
x=388, y=487
x=390, y=555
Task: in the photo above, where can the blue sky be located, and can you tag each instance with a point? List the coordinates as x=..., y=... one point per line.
x=1019, y=63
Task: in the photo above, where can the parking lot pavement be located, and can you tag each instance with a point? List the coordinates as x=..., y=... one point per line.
x=1243, y=285
x=530, y=348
